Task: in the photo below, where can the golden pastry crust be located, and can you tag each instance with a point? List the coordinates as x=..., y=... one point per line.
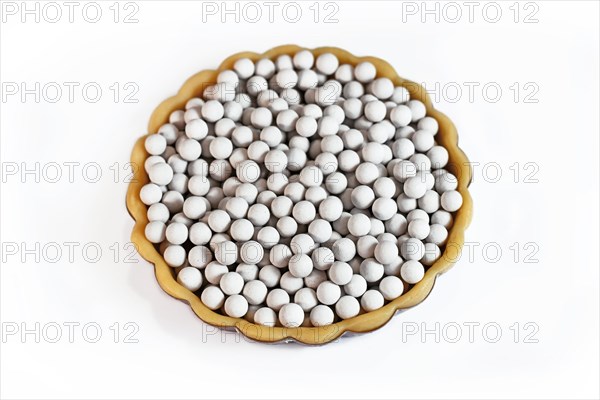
x=365, y=322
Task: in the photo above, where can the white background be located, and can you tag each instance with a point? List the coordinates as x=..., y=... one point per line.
x=552, y=282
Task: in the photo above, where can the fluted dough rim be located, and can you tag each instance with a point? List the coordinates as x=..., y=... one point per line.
x=366, y=322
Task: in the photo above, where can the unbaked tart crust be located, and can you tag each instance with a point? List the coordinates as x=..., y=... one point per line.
x=458, y=164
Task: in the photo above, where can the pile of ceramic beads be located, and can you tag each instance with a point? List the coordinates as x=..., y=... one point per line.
x=298, y=191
